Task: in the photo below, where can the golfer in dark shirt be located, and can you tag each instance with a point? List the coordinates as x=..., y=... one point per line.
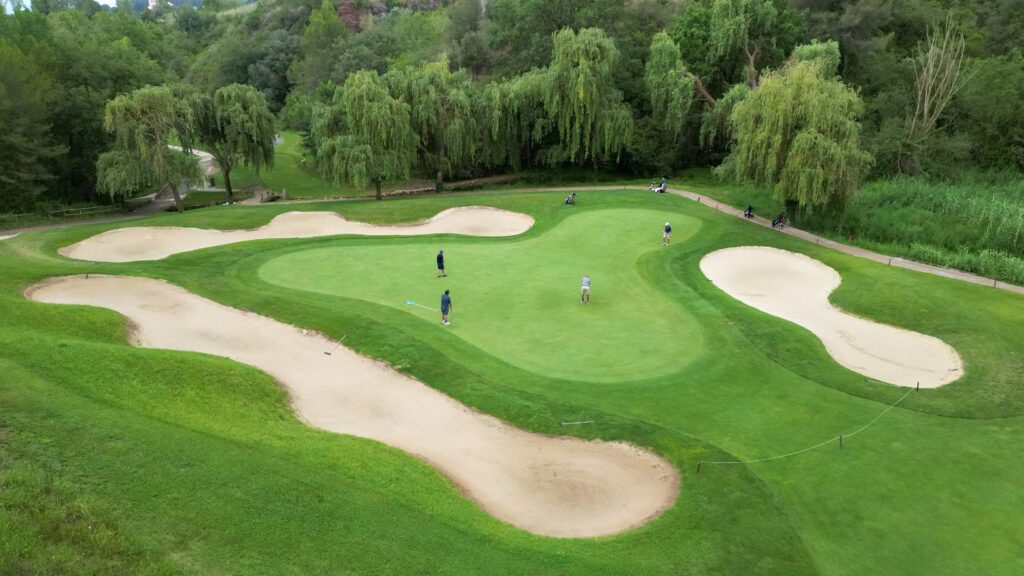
x=440, y=264
x=446, y=305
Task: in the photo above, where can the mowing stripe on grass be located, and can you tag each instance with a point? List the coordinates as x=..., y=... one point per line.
x=808, y=449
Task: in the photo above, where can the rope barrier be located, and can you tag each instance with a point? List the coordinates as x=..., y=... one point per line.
x=829, y=441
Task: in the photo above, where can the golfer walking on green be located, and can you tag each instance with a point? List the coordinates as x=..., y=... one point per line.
x=585, y=290
x=667, y=236
x=446, y=306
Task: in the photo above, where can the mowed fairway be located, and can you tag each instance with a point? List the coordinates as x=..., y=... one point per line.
x=520, y=301
x=117, y=459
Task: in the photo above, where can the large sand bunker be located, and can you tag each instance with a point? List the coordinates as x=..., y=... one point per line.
x=554, y=486
x=796, y=287
x=156, y=242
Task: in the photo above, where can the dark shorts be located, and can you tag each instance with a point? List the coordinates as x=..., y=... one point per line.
x=444, y=310
x=440, y=266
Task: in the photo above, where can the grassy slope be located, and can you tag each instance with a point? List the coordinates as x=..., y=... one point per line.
x=184, y=449
x=294, y=171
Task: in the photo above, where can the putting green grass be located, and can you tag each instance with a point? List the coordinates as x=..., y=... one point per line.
x=520, y=301
x=115, y=459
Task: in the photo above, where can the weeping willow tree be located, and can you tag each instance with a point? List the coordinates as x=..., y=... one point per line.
x=715, y=124
x=514, y=119
x=364, y=136
x=443, y=109
x=143, y=123
x=669, y=88
x=799, y=132
x=586, y=109
x=235, y=127
x=745, y=25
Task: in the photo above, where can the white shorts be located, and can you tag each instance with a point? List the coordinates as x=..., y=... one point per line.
x=585, y=289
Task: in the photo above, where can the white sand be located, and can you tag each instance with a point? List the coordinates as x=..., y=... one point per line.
x=7, y=236
x=796, y=287
x=156, y=242
x=554, y=486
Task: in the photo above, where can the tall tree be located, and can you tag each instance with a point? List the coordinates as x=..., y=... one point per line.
x=669, y=88
x=144, y=123
x=28, y=148
x=324, y=30
x=799, y=132
x=444, y=114
x=581, y=99
x=515, y=120
x=235, y=126
x=747, y=26
x=938, y=76
x=364, y=137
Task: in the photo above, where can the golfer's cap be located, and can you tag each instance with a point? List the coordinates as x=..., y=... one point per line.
x=666, y=223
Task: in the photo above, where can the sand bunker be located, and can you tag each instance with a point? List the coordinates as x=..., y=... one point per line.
x=554, y=486
x=156, y=242
x=796, y=287
x=7, y=236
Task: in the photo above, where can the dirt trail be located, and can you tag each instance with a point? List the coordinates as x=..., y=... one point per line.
x=554, y=486
x=157, y=242
x=796, y=287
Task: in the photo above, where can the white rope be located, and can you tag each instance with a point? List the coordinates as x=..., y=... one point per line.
x=829, y=441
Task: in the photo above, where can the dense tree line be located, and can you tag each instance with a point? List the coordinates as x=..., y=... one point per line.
x=807, y=96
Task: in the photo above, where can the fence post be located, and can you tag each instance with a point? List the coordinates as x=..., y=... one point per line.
x=699, y=462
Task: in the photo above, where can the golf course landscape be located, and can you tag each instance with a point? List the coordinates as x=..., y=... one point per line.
x=119, y=458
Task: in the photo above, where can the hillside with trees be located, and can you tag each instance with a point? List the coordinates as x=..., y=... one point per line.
x=805, y=104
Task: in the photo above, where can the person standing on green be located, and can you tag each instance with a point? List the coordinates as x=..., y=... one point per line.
x=446, y=306
x=440, y=264
x=585, y=290
x=667, y=237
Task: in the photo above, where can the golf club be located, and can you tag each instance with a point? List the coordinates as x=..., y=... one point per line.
x=336, y=344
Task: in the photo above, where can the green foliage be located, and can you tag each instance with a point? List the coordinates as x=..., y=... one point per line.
x=587, y=110
x=28, y=149
x=741, y=25
x=799, y=132
x=669, y=88
x=364, y=137
x=443, y=110
x=725, y=42
x=716, y=123
x=825, y=52
x=324, y=30
x=467, y=36
x=515, y=119
x=144, y=123
x=991, y=110
x=235, y=126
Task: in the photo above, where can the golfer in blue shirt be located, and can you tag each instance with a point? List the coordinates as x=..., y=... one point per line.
x=668, y=234
x=446, y=305
x=440, y=264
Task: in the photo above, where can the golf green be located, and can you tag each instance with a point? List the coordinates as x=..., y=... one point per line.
x=520, y=299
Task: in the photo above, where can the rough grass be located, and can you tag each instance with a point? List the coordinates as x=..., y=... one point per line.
x=195, y=464
x=976, y=225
